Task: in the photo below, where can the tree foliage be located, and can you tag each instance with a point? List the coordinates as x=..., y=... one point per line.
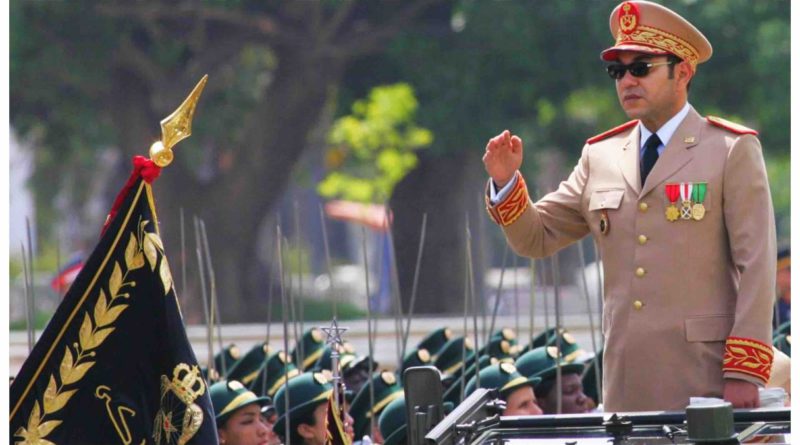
x=373, y=148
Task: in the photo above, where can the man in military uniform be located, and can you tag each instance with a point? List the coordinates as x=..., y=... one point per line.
x=681, y=210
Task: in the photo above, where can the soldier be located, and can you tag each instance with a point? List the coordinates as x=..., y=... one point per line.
x=313, y=344
x=308, y=409
x=681, y=210
x=246, y=369
x=515, y=389
x=541, y=363
x=238, y=414
x=271, y=375
x=386, y=388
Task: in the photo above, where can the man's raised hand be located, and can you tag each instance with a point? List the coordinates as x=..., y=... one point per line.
x=503, y=157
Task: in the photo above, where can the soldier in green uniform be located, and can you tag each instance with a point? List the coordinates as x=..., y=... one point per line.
x=542, y=363
x=238, y=414
x=308, y=409
x=515, y=389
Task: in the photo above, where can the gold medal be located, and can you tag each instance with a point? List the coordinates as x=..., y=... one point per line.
x=698, y=211
x=672, y=213
x=686, y=210
x=605, y=225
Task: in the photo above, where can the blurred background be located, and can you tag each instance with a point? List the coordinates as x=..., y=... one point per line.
x=313, y=106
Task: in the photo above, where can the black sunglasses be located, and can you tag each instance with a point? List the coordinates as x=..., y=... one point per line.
x=637, y=69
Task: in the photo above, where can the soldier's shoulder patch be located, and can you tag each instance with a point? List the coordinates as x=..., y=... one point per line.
x=733, y=127
x=612, y=132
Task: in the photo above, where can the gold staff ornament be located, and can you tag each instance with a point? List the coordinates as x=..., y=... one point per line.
x=176, y=127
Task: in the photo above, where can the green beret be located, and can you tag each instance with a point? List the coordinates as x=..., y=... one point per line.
x=503, y=377
x=449, y=358
x=394, y=423
x=275, y=370
x=229, y=356
x=306, y=392
x=228, y=396
x=435, y=340
x=386, y=388
x=541, y=362
x=246, y=368
x=313, y=342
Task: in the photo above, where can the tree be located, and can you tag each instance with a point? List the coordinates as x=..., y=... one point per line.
x=87, y=75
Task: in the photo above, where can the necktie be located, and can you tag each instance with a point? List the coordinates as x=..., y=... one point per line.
x=650, y=156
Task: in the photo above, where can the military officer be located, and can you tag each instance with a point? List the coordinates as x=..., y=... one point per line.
x=681, y=210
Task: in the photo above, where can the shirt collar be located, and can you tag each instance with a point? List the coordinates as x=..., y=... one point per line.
x=667, y=130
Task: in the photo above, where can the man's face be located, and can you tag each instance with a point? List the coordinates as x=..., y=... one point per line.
x=244, y=427
x=522, y=402
x=654, y=98
x=573, y=400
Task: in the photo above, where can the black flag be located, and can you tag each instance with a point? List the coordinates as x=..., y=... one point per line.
x=114, y=364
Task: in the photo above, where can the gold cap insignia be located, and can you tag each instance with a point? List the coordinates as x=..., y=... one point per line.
x=320, y=378
x=448, y=333
x=509, y=334
x=552, y=351
x=424, y=355
x=265, y=347
x=568, y=338
x=628, y=17
x=235, y=385
x=234, y=352
x=388, y=378
x=508, y=368
x=505, y=347
x=283, y=357
x=493, y=361
x=468, y=343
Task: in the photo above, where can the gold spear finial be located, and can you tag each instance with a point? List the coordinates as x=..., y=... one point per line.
x=176, y=127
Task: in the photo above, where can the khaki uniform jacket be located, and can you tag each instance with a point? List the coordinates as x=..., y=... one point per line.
x=674, y=292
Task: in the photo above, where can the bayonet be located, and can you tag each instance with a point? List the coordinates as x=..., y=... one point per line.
x=370, y=342
x=284, y=314
x=415, y=283
x=206, y=310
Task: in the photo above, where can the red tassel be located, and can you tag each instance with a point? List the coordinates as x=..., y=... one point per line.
x=143, y=167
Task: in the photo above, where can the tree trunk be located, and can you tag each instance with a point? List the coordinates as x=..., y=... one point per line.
x=444, y=187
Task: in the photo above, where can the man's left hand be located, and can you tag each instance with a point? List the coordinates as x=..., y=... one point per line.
x=741, y=393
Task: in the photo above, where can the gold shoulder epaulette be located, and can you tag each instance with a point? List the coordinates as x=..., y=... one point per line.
x=733, y=127
x=612, y=132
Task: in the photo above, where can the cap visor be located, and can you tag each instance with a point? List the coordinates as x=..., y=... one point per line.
x=612, y=53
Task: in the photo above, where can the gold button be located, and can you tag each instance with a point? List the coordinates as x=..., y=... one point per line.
x=642, y=239
x=642, y=207
x=640, y=272
x=637, y=305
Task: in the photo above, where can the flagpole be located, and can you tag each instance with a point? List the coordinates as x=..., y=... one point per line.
x=284, y=314
x=206, y=310
x=27, y=299
x=214, y=300
x=498, y=294
x=32, y=306
x=474, y=299
x=557, y=298
x=301, y=311
x=416, y=282
x=328, y=260
x=184, y=288
x=395, y=286
x=370, y=342
x=466, y=304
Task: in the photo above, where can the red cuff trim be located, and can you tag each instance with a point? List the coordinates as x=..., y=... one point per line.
x=143, y=167
x=747, y=356
x=509, y=210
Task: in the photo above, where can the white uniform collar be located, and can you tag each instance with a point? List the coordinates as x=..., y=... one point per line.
x=667, y=130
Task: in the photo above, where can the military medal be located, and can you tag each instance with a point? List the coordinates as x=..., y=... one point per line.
x=673, y=192
x=698, y=195
x=686, y=200
x=605, y=225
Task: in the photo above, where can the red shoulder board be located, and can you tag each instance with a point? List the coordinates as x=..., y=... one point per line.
x=612, y=132
x=733, y=127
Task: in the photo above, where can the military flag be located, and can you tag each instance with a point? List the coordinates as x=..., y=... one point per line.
x=114, y=365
